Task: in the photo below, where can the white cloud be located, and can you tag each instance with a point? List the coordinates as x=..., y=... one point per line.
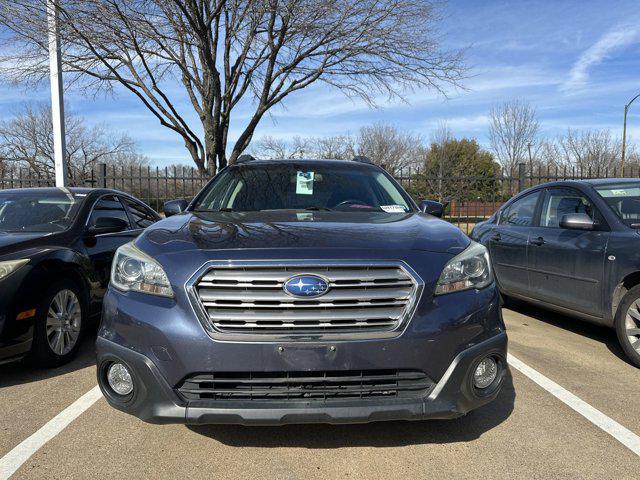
x=463, y=123
x=615, y=39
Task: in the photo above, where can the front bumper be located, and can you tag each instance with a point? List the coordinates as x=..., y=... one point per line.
x=163, y=342
x=155, y=401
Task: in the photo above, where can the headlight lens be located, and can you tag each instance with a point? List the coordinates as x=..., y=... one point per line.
x=10, y=266
x=469, y=269
x=133, y=269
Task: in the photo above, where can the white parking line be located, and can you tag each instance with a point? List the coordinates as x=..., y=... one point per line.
x=595, y=416
x=13, y=460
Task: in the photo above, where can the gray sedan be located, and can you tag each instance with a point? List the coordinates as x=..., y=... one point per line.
x=574, y=247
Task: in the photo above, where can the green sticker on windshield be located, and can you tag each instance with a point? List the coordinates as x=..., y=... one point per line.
x=304, y=183
x=619, y=193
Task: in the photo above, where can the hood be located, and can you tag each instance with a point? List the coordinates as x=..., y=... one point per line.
x=299, y=230
x=11, y=242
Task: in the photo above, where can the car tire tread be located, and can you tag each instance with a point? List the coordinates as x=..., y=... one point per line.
x=631, y=296
x=41, y=353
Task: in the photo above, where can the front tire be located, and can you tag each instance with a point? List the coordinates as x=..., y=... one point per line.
x=628, y=325
x=59, y=326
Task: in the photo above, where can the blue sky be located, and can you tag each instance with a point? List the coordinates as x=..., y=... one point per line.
x=576, y=62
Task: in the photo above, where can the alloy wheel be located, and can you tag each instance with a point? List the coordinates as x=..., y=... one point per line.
x=64, y=320
x=632, y=325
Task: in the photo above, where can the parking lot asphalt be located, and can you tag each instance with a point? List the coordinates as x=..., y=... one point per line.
x=526, y=433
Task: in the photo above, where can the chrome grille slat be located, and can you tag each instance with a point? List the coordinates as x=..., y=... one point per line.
x=306, y=315
x=279, y=295
x=303, y=327
x=277, y=285
x=379, y=303
x=280, y=276
x=250, y=299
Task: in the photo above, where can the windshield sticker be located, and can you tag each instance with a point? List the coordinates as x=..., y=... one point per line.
x=393, y=208
x=305, y=217
x=304, y=183
x=619, y=193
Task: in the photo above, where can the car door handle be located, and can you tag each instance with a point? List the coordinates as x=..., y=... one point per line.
x=537, y=241
x=496, y=237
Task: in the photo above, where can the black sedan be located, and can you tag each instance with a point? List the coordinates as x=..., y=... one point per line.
x=573, y=246
x=56, y=248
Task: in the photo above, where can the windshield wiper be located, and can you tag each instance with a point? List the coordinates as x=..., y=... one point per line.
x=210, y=210
x=315, y=209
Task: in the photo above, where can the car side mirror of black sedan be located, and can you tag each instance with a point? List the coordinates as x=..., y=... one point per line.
x=432, y=208
x=577, y=221
x=174, y=207
x=103, y=225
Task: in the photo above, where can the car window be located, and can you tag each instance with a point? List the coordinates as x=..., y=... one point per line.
x=37, y=211
x=520, y=213
x=353, y=188
x=109, y=206
x=562, y=201
x=142, y=217
x=624, y=200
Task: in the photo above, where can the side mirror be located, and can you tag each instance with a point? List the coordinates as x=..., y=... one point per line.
x=174, y=207
x=103, y=225
x=577, y=221
x=432, y=208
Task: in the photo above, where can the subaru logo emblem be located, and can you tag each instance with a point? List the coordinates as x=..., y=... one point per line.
x=308, y=286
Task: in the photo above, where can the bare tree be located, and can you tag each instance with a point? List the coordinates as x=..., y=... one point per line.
x=27, y=140
x=389, y=146
x=550, y=154
x=595, y=150
x=226, y=53
x=338, y=147
x=513, y=126
x=383, y=144
x=279, y=149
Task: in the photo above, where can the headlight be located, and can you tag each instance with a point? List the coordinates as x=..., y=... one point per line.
x=10, y=266
x=469, y=269
x=133, y=269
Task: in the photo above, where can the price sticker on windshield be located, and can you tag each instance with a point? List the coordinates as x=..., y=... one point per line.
x=393, y=208
x=304, y=183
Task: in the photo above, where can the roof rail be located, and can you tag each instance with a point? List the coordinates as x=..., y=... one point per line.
x=245, y=158
x=362, y=159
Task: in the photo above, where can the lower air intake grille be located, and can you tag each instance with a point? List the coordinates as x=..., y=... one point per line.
x=306, y=386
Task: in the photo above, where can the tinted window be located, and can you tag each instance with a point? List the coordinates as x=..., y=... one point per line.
x=520, y=213
x=562, y=201
x=37, y=212
x=108, y=206
x=304, y=186
x=141, y=215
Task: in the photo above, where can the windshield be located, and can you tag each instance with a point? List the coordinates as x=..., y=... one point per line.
x=304, y=187
x=37, y=212
x=624, y=200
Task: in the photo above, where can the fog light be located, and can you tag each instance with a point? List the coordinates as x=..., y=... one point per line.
x=119, y=379
x=486, y=372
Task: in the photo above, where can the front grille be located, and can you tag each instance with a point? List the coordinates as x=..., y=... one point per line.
x=361, y=298
x=306, y=386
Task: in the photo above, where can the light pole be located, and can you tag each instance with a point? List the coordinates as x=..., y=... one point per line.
x=57, y=100
x=624, y=134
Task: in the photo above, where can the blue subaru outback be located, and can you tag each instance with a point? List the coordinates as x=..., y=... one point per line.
x=301, y=291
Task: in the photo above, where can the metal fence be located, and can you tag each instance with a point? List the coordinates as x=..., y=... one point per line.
x=151, y=185
x=468, y=199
